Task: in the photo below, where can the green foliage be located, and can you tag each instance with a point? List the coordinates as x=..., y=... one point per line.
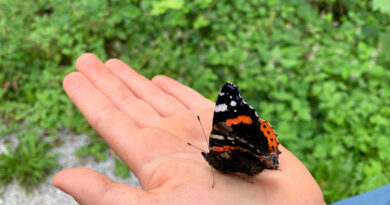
x=29, y=163
x=317, y=70
x=121, y=169
x=96, y=147
x=382, y=5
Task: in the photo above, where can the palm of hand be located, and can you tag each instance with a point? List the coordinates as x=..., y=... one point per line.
x=148, y=124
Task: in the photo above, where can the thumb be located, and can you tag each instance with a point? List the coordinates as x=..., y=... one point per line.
x=89, y=187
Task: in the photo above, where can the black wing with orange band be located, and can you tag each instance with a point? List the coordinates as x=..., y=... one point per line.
x=236, y=125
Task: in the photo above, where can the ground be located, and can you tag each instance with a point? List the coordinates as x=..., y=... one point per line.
x=46, y=193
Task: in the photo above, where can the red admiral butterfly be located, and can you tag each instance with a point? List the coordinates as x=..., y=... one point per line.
x=240, y=142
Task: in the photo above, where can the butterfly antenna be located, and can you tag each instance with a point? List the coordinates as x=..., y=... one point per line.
x=204, y=134
x=195, y=147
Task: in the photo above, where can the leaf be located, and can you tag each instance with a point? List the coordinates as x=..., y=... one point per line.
x=382, y=5
x=121, y=169
x=162, y=6
x=384, y=39
x=200, y=22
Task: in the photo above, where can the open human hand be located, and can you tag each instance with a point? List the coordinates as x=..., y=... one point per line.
x=148, y=124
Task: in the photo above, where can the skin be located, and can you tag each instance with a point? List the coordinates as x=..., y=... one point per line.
x=148, y=124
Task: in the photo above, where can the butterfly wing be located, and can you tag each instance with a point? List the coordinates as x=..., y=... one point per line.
x=235, y=123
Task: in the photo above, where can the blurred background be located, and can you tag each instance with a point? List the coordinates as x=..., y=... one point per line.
x=318, y=70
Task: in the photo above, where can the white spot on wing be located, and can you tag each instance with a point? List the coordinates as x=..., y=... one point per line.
x=233, y=103
x=230, y=138
x=221, y=94
x=242, y=140
x=230, y=97
x=218, y=137
x=221, y=108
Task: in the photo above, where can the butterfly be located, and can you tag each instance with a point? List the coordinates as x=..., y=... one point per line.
x=240, y=141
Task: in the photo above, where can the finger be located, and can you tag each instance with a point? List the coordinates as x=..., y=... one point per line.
x=89, y=187
x=116, y=91
x=136, y=147
x=163, y=103
x=113, y=125
x=189, y=97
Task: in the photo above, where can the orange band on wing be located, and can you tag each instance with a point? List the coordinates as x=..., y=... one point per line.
x=225, y=148
x=240, y=119
x=217, y=149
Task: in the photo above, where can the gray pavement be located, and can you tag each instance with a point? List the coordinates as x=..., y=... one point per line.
x=46, y=193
